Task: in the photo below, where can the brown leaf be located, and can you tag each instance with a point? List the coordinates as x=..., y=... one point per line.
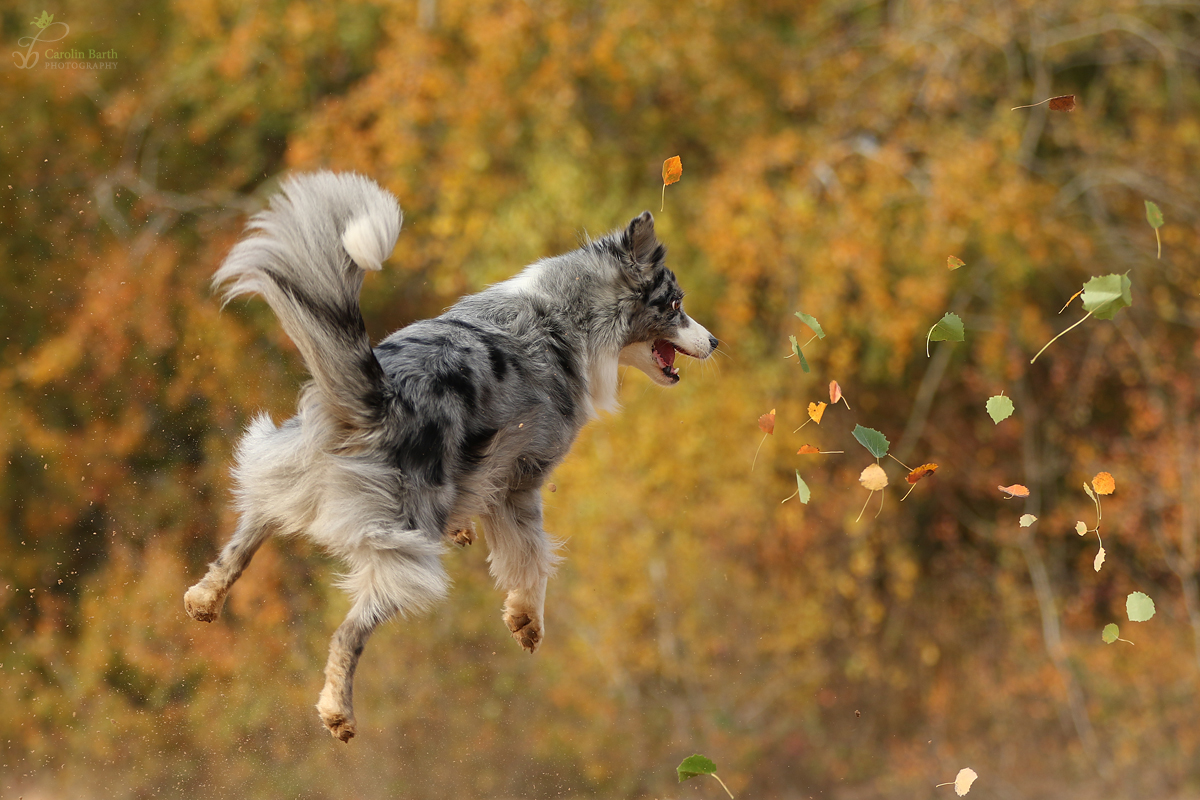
x=1103, y=483
x=923, y=471
x=672, y=170
x=1064, y=102
x=1016, y=490
x=767, y=422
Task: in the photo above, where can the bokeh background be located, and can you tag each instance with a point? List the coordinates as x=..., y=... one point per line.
x=834, y=154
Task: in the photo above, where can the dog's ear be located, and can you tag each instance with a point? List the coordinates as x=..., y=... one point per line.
x=640, y=244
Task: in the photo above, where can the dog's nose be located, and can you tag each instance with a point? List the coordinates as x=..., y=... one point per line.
x=712, y=342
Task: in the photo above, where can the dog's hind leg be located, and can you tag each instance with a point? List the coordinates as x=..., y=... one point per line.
x=522, y=559
x=382, y=583
x=203, y=601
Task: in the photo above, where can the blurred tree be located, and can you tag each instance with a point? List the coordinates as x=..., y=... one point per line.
x=835, y=154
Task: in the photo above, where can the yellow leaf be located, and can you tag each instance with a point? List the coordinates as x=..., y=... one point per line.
x=873, y=478
x=816, y=411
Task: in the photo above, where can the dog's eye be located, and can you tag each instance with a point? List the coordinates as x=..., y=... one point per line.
x=675, y=305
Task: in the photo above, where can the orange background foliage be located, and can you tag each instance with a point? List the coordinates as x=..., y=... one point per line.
x=836, y=153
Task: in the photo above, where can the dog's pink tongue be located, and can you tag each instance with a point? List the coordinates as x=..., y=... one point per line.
x=665, y=352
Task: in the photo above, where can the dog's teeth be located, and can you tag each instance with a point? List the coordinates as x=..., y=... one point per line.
x=674, y=370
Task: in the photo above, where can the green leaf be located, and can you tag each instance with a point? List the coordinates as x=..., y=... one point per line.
x=1139, y=607
x=948, y=329
x=1104, y=296
x=1154, y=215
x=812, y=323
x=873, y=440
x=953, y=262
x=799, y=355
x=803, y=492
x=695, y=765
x=1111, y=633
x=999, y=408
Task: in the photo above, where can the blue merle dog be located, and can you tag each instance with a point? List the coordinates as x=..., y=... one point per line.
x=397, y=448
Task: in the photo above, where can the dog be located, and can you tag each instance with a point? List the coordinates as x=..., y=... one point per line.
x=396, y=449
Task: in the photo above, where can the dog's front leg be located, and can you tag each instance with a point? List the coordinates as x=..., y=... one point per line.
x=522, y=559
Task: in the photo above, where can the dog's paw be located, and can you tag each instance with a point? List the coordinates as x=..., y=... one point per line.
x=202, y=603
x=525, y=629
x=338, y=720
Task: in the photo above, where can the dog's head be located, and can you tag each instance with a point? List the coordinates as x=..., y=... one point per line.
x=658, y=326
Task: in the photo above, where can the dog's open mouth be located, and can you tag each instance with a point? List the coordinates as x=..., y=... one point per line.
x=664, y=356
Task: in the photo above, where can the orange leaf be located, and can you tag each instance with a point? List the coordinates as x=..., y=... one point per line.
x=835, y=394
x=767, y=422
x=816, y=411
x=1104, y=483
x=1016, y=490
x=808, y=450
x=923, y=471
x=672, y=170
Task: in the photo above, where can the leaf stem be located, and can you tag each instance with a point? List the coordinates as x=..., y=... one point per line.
x=901, y=463
x=755, y=461
x=1160, y=256
x=723, y=786
x=864, y=508
x=663, y=204
x=1034, y=105
x=1055, y=339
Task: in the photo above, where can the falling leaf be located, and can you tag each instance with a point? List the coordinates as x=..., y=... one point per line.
x=1096, y=564
x=693, y=766
x=954, y=263
x=1111, y=633
x=999, y=408
x=1027, y=520
x=812, y=323
x=947, y=329
x=1081, y=528
x=798, y=354
x=1105, y=295
x=802, y=489
x=808, y=450
x=1064, y=102
x=1154, y=215
x=1016, y=490
x=672, y=172
x=1139, y=607
x=551, y=487
x=875, y=442
x=1103, y=483
x=1090, y=493
x=816, y=411
x=766, y=423
x=1155, y=218
x=696, y=765
x=835, y=394
x=962, y=782
x=873, y=478
x=923, y=471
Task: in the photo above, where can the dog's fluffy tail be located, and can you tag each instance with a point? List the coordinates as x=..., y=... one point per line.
x=307, y=261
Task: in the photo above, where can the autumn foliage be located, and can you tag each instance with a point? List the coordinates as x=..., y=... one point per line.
x=836, y=153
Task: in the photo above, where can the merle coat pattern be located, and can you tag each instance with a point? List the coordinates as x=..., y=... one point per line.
x=396, y=449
